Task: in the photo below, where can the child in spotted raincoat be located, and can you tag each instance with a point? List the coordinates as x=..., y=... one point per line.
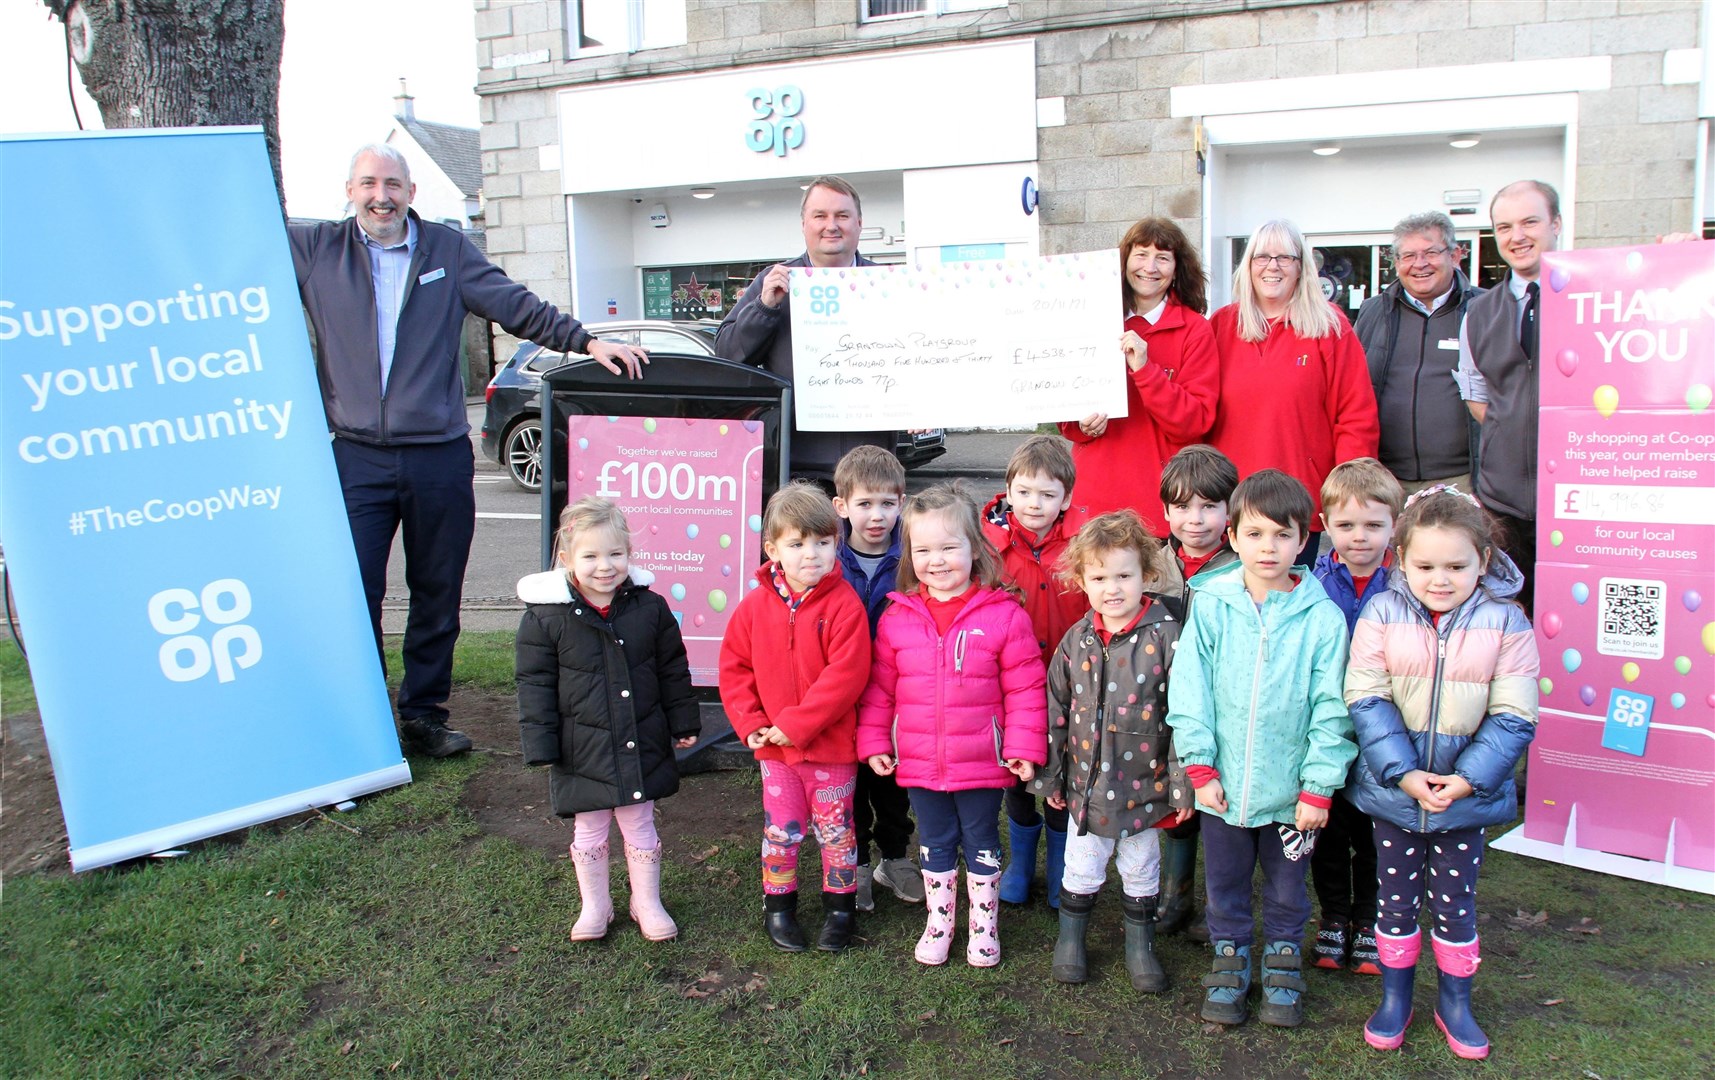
x=1110, y=759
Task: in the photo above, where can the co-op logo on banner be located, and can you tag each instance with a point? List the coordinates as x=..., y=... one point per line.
x=205, y=631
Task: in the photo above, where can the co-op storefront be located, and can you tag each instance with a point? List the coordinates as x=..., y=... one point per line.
x=679, y=189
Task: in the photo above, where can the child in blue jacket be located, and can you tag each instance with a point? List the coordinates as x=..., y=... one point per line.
x=1260, y=725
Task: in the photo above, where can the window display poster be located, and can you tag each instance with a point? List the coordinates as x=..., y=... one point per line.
x=1622, y=770
x=658, y=294
x=691, y=491
x=175, y=533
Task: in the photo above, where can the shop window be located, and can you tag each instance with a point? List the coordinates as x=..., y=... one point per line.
x=877, y=10
x=601, y=27
x=708, y=291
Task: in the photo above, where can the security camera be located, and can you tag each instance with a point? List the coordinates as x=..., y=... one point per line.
x=638, y=199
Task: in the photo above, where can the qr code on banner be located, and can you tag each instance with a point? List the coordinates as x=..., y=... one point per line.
x=1631, y=618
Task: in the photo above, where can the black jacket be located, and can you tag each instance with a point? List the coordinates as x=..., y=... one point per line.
x=601, y=700
x=425, y=388
x=1426, y=431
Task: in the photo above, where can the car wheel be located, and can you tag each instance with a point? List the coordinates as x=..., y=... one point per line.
x=522, y=454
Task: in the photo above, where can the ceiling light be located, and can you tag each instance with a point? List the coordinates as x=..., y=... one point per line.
x=1326, y=150
x=702, y=193
x=1463, y=142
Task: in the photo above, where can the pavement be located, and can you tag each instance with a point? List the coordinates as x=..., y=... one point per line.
x=974, y=455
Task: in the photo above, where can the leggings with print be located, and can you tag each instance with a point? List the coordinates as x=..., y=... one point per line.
x=813, y=796
x=1443, y=864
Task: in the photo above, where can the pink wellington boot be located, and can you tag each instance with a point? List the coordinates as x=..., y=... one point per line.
x=646, y=910
x=941, y=897
x=595, y=905
x=982, y=948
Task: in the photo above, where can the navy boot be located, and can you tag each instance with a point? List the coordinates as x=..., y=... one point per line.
x=1386, y=1028
x=1457, y=964
x=1054, y=865
x=1021, y=863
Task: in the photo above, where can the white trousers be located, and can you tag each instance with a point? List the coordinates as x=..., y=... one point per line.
x=1138, y=857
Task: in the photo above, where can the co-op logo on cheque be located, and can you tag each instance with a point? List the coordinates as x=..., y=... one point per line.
x=206, y=631
x=824, y=300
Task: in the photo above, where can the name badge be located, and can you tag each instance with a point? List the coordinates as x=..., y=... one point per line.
x=1451, y=344
x=436, y=275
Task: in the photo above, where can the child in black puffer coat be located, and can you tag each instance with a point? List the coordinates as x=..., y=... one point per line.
x=604, y=697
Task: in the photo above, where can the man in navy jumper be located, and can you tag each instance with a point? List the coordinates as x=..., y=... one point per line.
x=387, y=294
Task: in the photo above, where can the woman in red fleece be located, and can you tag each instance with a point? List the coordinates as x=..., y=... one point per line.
x=1173, y=380
x=1295, y=391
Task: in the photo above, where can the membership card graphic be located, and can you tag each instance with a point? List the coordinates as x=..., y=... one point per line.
x=174, y=530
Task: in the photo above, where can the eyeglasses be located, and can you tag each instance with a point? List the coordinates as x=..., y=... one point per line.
x=1282, y=261
x=1407, y=258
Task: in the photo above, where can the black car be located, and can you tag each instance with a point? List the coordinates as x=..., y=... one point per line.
x=512, y=424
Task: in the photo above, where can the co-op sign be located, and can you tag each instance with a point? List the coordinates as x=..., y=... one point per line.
x=775, y=125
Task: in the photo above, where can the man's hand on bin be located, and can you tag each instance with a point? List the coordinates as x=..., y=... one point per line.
x=611, y=354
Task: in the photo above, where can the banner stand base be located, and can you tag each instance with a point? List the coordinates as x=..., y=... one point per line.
x=1568, y=854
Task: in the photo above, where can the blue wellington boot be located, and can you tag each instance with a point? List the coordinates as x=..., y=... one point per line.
x=1386, y=1029
x=1457, y=964
x=1021, y=863
x=1054, y=867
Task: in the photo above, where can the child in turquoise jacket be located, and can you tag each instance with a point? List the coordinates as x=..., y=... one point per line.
x=1259, y=721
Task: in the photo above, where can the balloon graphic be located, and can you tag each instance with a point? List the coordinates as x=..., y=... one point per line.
x=1567, y=361
x=1607, y=399
x=1709, y=638
x=1553, y=466
x=1580, y=591
x=1551, y=624
x=1634, y=261
x=1630, y=671
x=717, y=599
x=1573, y=659
x=726, y=571
x=579, y=474
x=1692, y=599
x=698, y=620
x=755, y=523
x=1682, y=664
x=750, y=425
x=726, y=541
x=583, y=444
x=649, y=425
x=1559, y=278
x=691, y=531
x=1698, y=396
x=1586, y=694
x=1547, y=686
x=1556, y=537
x=678, y=592
x=653, y=529
x=1678, y=701
x=723, y=429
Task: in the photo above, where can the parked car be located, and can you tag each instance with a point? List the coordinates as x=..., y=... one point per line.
x=512, y=423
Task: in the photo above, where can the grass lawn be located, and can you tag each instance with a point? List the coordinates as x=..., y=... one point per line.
x=406, y=938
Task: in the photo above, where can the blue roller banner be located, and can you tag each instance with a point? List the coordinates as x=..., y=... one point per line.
x=172, y=520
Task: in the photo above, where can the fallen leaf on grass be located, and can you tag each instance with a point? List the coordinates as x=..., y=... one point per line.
x=694, y=992
x=1553, y=1001
x=1212, y=1029
x=704, y=856
x=347, y=1047
x=1004, y=1042
x=511, y=948
x=395, y=1066
x=754, y=985
x=1526, y=921
x=930, y=1015
x=1072, y=1034
x=1585, y=926
x=770, y=1007
x=1524, y=976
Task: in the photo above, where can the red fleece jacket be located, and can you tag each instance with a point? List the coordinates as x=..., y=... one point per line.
x=1301, y=405
x=800, y=671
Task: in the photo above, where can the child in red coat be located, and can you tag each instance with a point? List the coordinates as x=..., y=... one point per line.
x=794, y=660
x=1030, y=524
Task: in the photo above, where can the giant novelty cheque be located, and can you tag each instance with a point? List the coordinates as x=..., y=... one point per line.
x=198, y=640
x=1008, y=342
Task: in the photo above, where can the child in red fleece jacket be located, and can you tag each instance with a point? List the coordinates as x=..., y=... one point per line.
x=794, y=660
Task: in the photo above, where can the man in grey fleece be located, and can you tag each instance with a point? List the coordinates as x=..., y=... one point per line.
x=387, y=294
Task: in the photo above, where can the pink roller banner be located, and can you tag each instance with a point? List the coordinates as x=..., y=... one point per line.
x=691, y=490
x=1622, y=772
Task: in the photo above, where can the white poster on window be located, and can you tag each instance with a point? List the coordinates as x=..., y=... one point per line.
x=974, y=344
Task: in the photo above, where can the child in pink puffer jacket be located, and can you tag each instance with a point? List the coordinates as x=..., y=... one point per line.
x=957, y=704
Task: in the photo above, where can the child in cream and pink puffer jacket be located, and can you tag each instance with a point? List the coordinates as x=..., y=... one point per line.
x=957, y=706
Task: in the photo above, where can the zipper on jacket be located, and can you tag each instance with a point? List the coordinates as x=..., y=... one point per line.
x=1434, y=710
x=940, y=714
x=959, y=656
x=1250, y=730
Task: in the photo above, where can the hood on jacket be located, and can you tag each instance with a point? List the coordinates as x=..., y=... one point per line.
x=1503, y=580
x=555, y=587
x=997, y=523
x=765, y=576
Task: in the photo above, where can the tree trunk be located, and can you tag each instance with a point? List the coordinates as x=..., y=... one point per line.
x=181, y=63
